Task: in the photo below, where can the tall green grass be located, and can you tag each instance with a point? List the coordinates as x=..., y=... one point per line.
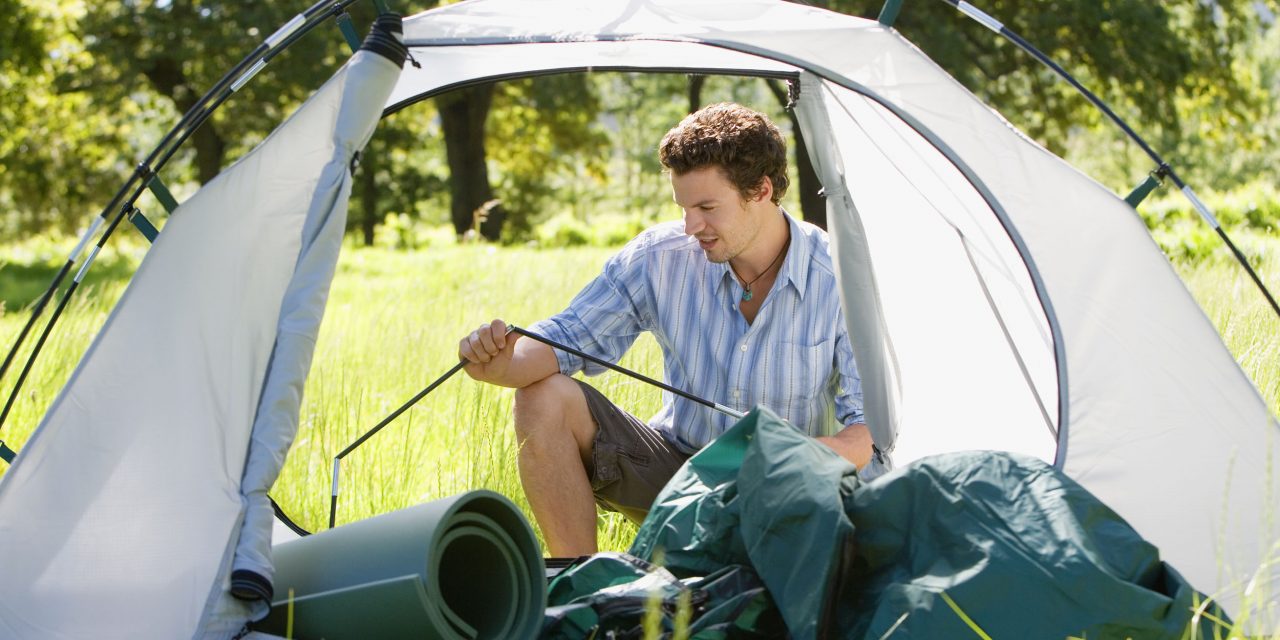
x=392, y=326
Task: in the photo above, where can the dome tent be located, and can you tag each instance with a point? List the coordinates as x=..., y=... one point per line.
x=998, y=299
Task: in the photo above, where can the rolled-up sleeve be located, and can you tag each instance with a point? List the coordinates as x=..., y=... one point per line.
x=605, y=318
x=849, y=391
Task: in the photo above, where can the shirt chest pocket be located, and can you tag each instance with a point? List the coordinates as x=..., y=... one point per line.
x=799, y=373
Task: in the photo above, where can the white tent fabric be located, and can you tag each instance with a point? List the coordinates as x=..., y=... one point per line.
x=999, y=298
x=120, y=517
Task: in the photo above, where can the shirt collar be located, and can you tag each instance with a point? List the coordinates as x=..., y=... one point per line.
x=795, y=266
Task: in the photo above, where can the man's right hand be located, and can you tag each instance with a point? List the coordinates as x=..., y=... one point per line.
x=488, y=349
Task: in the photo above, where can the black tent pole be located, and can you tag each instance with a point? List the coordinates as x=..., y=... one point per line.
x=48, y=294
x=998, y=27
x=337, y=460
x=199, y=113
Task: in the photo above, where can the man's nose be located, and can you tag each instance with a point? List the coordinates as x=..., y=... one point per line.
x=693, y=222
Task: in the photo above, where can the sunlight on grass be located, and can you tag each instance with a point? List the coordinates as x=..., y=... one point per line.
x=392, y=326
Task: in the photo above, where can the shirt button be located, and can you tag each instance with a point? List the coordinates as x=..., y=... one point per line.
x=743, y=347
x=736, y=394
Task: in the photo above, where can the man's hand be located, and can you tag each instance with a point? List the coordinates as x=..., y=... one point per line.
x=489, y=350
x=853, y=443
x=502, y=358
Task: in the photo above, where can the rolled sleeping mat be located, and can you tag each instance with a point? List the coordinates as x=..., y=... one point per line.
x=463, y=567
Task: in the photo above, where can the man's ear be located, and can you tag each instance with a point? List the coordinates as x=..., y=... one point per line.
x=763, y=191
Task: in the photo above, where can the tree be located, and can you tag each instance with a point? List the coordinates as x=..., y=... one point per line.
x=59, y=152
x=463, y=114
x=543, y=136
x=1157, y=63
x=179, y=49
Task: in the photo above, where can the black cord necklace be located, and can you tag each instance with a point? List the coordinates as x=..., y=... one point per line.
x=746, y=288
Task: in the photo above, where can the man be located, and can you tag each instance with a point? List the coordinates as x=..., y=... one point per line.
x=742, y=299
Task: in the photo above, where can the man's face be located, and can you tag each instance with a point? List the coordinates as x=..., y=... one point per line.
x=715, y=213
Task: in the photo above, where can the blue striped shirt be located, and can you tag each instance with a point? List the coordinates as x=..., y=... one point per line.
x=795, y=358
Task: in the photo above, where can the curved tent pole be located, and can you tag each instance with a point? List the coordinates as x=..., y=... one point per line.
x=830, y=75
x=237, y=77
x=1163, y=167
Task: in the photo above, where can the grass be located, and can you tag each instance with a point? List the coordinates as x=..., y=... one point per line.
x=392, y=326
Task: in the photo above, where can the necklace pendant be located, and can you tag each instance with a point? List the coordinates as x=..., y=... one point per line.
x=746, y=295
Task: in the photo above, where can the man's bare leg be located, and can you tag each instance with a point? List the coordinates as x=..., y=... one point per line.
x=556, y=435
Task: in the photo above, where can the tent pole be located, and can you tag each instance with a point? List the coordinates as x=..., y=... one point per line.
x=998, y=27
x=732, y=413
x=337, y=460
x=145, y=174
x=57, y=312
x=48, y=293
x=889, y=12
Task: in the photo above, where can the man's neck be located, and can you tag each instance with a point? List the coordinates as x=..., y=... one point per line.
x=763, y=254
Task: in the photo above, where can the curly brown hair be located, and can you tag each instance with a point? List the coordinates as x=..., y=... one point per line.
x=744, y=143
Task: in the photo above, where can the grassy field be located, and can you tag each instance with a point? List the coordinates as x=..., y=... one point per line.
x=392, y=326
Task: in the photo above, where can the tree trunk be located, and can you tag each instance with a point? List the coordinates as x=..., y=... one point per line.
x=812, y=206
x=368, y=170
x=165, y=74
x=696, y=83
x=462, y=118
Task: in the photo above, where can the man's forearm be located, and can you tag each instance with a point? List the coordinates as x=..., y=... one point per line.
x=853, y=443
x=532, y=361
x=501, y=358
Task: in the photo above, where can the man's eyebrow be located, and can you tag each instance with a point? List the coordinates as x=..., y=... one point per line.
x=700, y=203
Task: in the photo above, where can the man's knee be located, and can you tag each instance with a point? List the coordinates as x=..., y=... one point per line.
x=545, y=398
x=553, y=405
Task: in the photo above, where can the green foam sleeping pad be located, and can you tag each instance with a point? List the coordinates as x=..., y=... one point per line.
x=463, y=567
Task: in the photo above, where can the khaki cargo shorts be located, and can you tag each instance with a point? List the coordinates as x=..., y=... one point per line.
x=630, y=463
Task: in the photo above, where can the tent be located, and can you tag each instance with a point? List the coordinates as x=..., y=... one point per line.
x=998, y=299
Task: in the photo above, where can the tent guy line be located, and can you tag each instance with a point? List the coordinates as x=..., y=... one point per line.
x=337, y=460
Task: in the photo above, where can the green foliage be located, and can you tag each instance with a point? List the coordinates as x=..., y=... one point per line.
x=544, y=139
x=400, y=231
x=392, y=325
x=1192, y=76
x=95, y=83
x=99, y=82
x=180, y=49
x=61, y=152
x=1250, y=214
x=28, y=266
x=402, y=169
x=564, y=230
